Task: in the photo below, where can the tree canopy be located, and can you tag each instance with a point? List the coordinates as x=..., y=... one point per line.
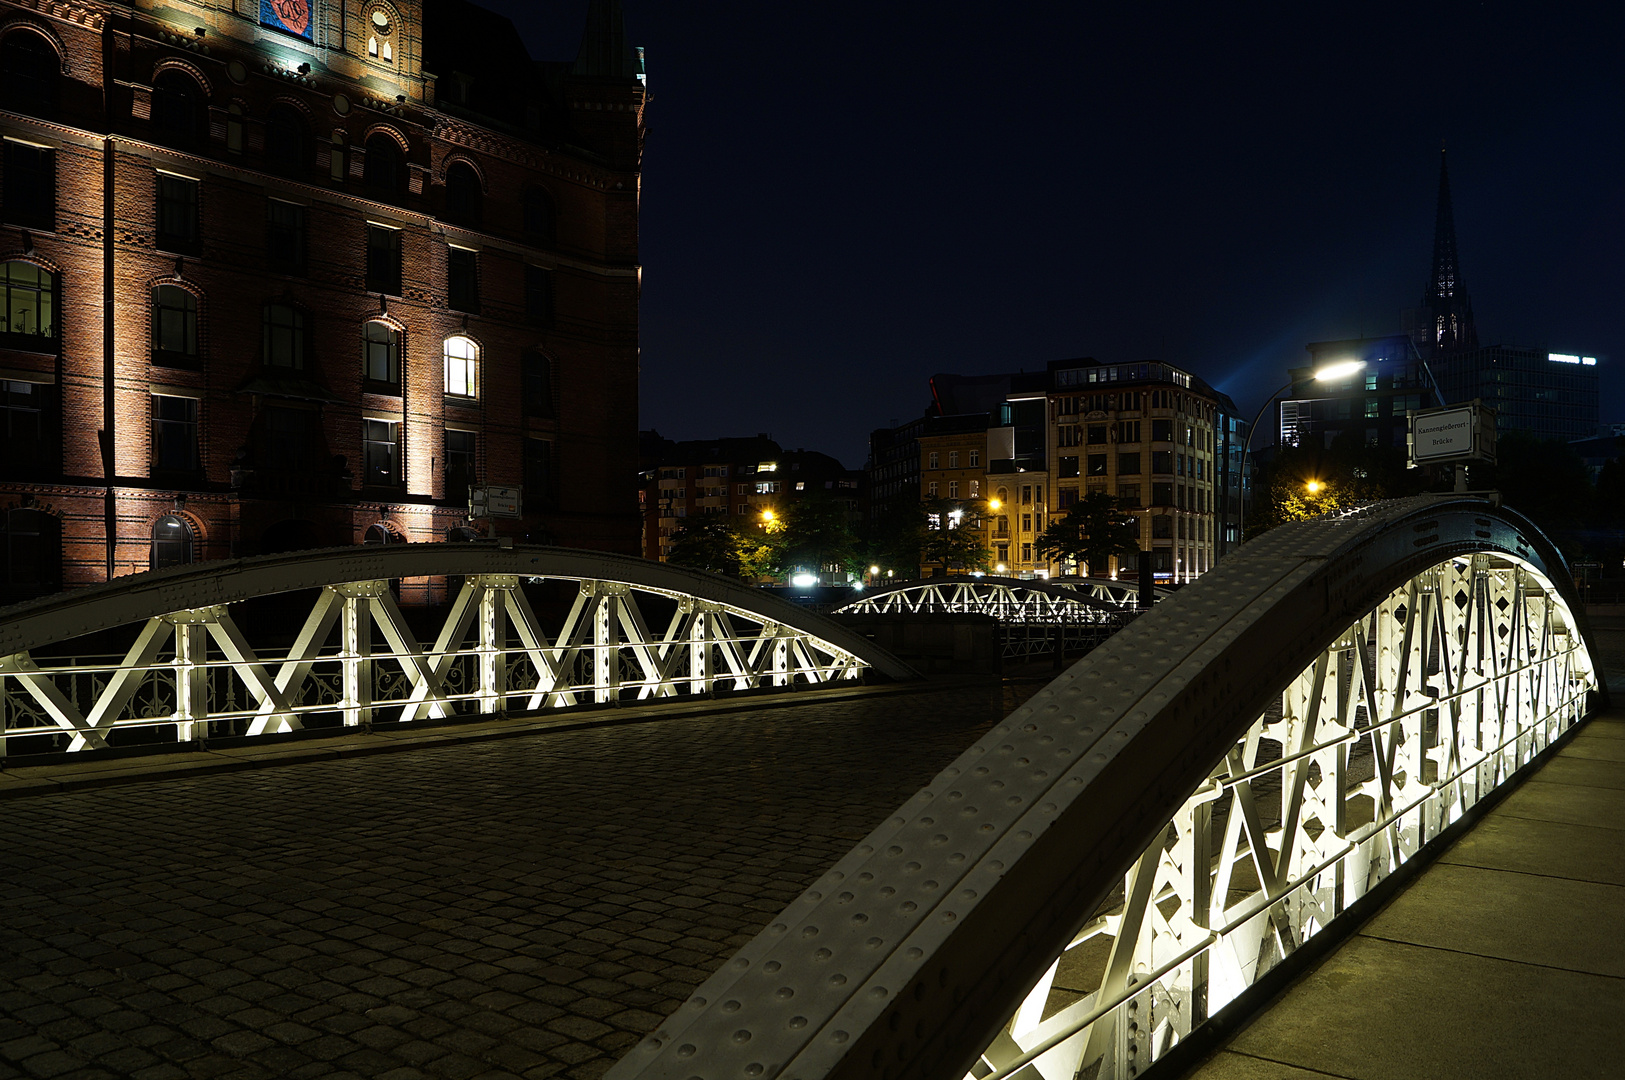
x=1095, y=528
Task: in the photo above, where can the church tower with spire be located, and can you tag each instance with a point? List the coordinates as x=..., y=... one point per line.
x=1446, y=307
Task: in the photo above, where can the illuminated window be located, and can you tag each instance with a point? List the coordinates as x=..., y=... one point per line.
x=174, y=434
x=462, y=358
x=32, y=73
x=384, y=171
x=378, y=42
x=381, y=356
x=536, y=387
x=285, y=139
x=975, y=486
x=284, y=336
x=177, y=108
x=463, y=194
x=27, y=305
x=383, y=260
x=461, y=463
x=538, y=296
x=177, y=213
x=380, y=453
x=285, y=237
x=28, y=198
x=463, y=280
x=174, y=327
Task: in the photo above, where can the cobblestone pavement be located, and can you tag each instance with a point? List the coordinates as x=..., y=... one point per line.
x=525, y=907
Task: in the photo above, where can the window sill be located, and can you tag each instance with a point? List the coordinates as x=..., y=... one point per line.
x=460, y=402
x=177, y=362
x=30, y=343
x=378, y=389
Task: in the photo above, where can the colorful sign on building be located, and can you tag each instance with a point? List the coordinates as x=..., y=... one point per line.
x=289, y=16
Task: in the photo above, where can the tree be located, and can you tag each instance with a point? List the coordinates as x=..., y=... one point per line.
x=815, y=535
x=1308, y=481
x=952, y=535
x=706, y=544
x=1095, y=528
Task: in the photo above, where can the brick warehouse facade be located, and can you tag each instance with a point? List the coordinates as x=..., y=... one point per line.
x=293, y=273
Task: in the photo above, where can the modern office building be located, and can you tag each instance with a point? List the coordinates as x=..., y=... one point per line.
x=1437, y=360
x=285, y=275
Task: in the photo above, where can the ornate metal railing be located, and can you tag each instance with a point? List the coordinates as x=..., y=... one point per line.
x=1162, y=825
x=355, y=661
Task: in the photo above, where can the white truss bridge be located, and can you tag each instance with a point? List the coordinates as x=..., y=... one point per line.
x=190, y=671
x=1171, y=819
x=1012, y=600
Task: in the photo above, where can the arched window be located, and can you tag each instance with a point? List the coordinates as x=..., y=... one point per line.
x=30, y=554
x=177, y=108
x=27, y=305
x=463, y=194
x=174, y=327
x=462, y=357
x=539, y=217
x=284, y=336
x=379, y=533
x=381, y=356
x=285, y=141
x=172, y=542
x=379, y=45
x=384, y=169
x=31, y=71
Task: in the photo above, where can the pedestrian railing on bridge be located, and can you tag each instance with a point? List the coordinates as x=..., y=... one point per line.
x=1156, y=830
x=190, y=669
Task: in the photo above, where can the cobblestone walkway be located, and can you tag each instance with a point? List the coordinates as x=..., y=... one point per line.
x=524, y=907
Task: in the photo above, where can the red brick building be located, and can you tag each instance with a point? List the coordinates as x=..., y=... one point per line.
x=290, y=273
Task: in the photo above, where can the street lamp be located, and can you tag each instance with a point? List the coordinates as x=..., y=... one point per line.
x=1331, y=371
x=1312, y=486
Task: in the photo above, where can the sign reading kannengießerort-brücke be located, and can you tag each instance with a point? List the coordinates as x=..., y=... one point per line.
x=1457, y=433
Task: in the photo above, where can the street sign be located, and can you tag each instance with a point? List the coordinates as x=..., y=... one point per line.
x=1454, y=433
x=502, y=502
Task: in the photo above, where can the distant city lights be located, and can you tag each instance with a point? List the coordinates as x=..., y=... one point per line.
x=1568, y=358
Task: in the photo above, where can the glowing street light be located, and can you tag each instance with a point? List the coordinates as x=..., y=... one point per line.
x=1337, y=370
x=1313, y=486
x=994, y=504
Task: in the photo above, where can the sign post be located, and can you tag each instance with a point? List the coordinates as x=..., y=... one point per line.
x=495, y=502
x=1453, y=435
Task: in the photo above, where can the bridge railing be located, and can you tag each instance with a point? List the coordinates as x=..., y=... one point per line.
x=356, y=662
x=1162, y=825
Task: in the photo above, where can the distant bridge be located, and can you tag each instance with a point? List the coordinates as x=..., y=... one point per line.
x=1166, y=822
x=1016, y=600
x=355, y=660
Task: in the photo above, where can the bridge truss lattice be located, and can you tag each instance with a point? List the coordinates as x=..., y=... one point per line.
x=1156, y=830
x=355, y=660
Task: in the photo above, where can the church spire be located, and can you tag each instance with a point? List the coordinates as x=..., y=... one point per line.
x=1449, y=304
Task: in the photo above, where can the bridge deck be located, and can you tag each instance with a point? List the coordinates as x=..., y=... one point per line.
x=1504, y=958
x=522, y=907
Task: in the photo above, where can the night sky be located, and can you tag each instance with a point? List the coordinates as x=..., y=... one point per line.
x=841, y=199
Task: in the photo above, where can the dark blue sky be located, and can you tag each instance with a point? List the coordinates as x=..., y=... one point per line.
x=841, y=199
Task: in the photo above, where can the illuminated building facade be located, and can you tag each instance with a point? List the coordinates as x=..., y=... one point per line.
x=737, y=481
x=293, y=273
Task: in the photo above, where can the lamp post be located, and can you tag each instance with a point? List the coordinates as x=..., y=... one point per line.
x=1325, y=374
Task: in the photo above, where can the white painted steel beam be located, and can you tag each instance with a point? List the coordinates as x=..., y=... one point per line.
x=491, y=654
x=1208, y=789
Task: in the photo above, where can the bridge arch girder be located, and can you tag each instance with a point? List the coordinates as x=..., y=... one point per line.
x=921, y=950
x=1007, y=599
x=191, y=665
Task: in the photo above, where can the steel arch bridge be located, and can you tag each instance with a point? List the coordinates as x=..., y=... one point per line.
x=1165, y=822
x=355, y=660
x=1078, y=600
